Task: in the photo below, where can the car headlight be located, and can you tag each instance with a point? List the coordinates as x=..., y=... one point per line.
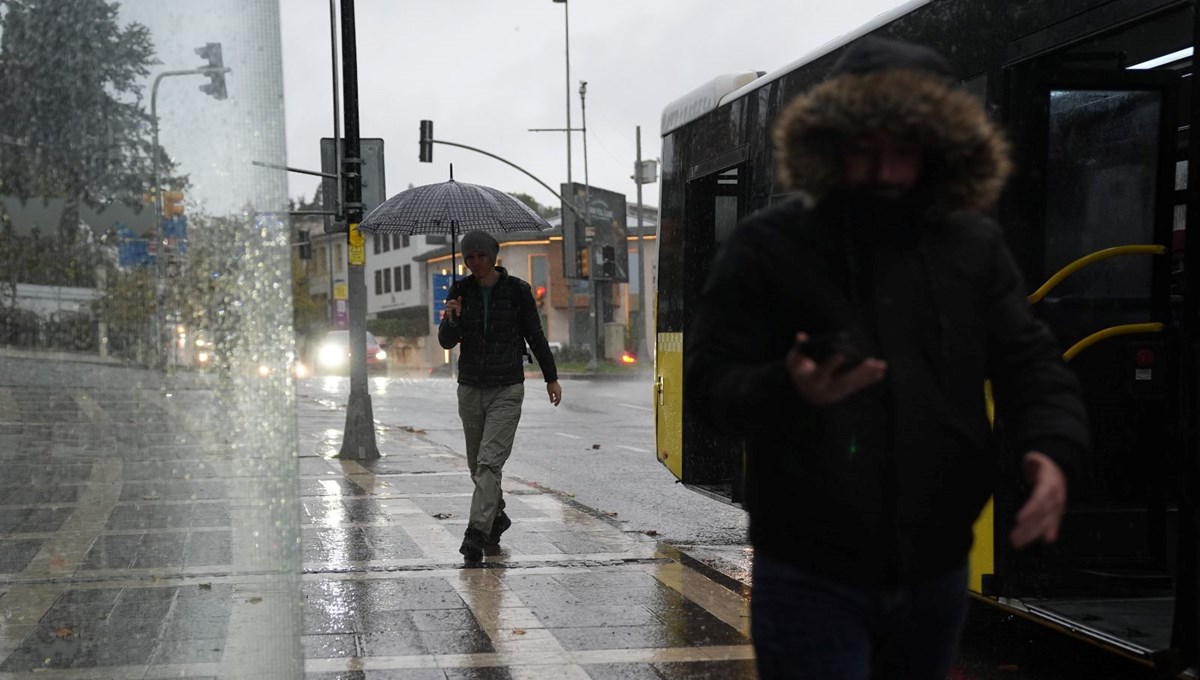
x=203, y=357
x=332, y=355
x=381, y=355
x=264, y=370
x=301, y=370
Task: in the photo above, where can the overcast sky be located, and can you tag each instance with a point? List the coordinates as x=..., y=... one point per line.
x=485, y=71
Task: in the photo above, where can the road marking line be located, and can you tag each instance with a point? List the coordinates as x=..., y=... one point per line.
x=568, y=436
x=633, y=448
x=640, y=408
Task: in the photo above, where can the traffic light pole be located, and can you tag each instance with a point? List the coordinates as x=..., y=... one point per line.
x=358, y=442
x=160, y=246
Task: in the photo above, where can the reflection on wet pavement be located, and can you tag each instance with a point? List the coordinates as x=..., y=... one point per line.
x=566, y=595
x=143, y=553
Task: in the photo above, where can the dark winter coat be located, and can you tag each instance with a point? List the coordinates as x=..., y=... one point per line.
x=883, y=487
x=494, y=356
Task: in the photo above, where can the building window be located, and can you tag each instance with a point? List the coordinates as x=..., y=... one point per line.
x=407, y=276
x=399, y=279
x=387, y=243
x=375, y=245
x=539, y=272
x=396, y=241
x=379, y=282
x=387, y=280
x=404, y=240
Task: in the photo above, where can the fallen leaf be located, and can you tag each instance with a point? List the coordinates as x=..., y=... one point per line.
x=518, y=631
x=58, y=562
x=650, y=532
x=254, y=600
x=64, y=633
x=205, y=586
x=442, y=515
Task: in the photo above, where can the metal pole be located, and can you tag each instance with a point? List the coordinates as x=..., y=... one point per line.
x=567, y=55
x=337, y=149
x=640, y=348
x=359, y=440
x=594, y=288
x=337, y=123
x=160, y=286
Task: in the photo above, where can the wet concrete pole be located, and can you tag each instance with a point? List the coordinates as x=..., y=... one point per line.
x=358, y=442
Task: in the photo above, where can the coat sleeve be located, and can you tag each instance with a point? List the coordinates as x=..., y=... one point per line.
x=529, y=325
x=450, y=330
x=732, y=378
x=1037, y=395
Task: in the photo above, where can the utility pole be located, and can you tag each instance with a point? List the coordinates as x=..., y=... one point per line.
x=596, y=287
x=641, y=274
x=358, y=442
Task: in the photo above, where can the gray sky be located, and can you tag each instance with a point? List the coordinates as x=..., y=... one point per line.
x=485, y=71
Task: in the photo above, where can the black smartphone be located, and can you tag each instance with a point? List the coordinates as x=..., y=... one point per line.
x=821, y=347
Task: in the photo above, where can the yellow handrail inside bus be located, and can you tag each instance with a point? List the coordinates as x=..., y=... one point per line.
x=1084, y=261
x=1154, y=327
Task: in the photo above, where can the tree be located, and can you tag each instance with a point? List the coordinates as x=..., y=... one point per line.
x=545, y=211
x=72, y=120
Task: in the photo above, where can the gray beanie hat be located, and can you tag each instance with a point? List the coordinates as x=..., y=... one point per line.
x=480, y=240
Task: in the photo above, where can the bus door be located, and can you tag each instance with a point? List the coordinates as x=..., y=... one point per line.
x=1096, y=176
x=714, y=202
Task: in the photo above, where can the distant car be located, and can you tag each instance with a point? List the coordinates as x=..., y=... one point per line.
x=333, y=354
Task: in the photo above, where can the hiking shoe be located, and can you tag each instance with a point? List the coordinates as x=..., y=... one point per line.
x=472, y=545
x=499, y=526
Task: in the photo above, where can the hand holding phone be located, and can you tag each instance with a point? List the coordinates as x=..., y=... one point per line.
x=824, y=346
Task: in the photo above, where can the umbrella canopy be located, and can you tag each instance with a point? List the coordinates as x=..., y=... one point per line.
x=452, y=208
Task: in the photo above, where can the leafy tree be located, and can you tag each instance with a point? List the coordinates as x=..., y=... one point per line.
x=545, y=211
x=72, y=120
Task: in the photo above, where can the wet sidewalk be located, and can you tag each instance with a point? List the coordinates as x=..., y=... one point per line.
x=137, y=541
x=567, y=594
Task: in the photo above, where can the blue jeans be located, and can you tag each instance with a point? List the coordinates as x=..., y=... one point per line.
x=808, y=626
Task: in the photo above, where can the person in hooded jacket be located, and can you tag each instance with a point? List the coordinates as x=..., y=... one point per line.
x=846, y=333
x=493, y=316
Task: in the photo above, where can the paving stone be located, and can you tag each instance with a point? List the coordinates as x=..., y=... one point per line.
x=15, y=555
x=621, y=671
x=707, y=670
x=329, y=646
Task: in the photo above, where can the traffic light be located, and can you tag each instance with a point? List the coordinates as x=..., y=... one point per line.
x=305, y=245
x=215, y=70
x=172, y=204
x=584, y=263
x=608, y=262
x=426, y=154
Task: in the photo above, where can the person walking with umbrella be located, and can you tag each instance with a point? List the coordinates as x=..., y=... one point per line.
x=492, y=315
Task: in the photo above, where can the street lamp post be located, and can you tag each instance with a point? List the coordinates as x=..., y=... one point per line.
x=568, y=131
x=216, y=70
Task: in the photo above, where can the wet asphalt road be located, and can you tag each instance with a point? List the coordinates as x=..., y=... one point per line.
x=597, y=447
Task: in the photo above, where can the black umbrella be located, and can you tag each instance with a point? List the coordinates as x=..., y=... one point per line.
x=451, y=208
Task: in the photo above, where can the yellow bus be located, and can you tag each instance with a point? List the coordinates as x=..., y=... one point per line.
x=1097, y=99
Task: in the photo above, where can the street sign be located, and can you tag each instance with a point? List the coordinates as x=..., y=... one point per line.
x=441, y=288
x=358, y=251
x=605, y=233
x=374, y=189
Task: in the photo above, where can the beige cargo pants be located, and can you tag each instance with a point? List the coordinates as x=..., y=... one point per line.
x=489, y=417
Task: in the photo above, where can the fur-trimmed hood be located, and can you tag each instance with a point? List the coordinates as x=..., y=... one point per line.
x=966, y=156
